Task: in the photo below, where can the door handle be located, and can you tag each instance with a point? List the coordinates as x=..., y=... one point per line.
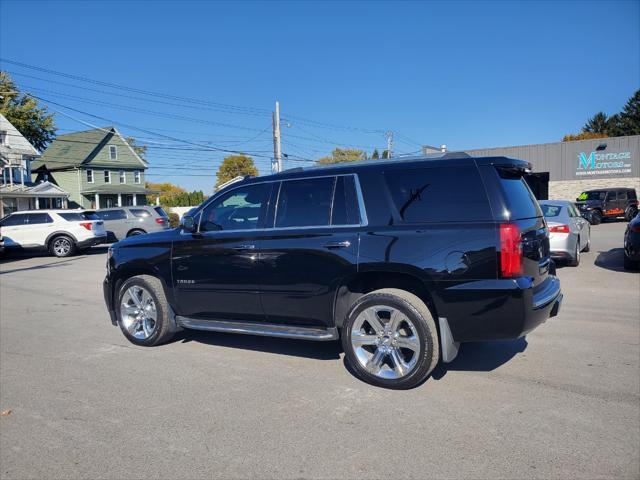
x=343, y=244
x=244, y=247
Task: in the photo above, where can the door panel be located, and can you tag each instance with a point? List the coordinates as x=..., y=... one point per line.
x=302, y=270
x=217, y=275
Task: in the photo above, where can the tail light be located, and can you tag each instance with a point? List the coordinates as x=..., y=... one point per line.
x=86, y=225
x=635, y=228
x=510, y=250
x=160, y=221
x=559, y=229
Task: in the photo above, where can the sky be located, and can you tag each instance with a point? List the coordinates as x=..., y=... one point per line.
x=193, y=78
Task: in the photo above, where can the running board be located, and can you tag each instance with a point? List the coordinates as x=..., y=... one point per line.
x=263, y=329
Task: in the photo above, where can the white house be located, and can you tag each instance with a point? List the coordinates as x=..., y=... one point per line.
x=17, y=192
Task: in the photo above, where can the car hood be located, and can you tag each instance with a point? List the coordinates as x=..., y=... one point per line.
x=148, y=238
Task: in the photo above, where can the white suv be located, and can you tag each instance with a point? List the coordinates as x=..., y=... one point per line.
x=61, y=232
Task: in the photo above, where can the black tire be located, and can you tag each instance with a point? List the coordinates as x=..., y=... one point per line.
x=62, y=246
x=596, y=217
x=630, y=213
x=135, y=231
x=164, y=328
x=574, y=261
x=630, y=264
x=414, y=309
x=587, y=247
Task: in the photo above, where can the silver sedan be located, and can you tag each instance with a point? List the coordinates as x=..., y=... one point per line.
x=569, y=233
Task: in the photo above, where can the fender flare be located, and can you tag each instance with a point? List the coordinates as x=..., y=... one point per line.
x=59, y=232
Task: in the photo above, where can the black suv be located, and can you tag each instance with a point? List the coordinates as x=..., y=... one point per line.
x=609, y=203
x=402, y=260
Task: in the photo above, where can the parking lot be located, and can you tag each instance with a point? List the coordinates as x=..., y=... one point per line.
x=564, y=402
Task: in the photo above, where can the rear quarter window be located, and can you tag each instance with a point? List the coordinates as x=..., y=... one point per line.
x=78, y=216
x=138, y=212
x=438, y=194
x=519, y=198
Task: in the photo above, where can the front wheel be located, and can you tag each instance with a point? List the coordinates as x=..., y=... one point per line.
x=575, y=260
x=596, y=217
x=390, y=339
x=143, y=311
x=630, y=264
x=630, y=214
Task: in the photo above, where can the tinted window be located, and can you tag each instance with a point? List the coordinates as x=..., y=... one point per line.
x=550, y=210
x=240, y=209
x=452, y=194
x=38, y=218
x=304, y=203
x=78, y=216
x=622, y=195
x=138, y=212
x=160, y=211
x=611, y=196
x=345, y=204
x=519, y=197
x=112, y=215
x=631, y=194
x=597, y=195
x=14, y=220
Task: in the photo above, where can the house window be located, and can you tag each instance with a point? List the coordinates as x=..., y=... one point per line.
x=4, y=138
x=123, y=177
x=107, y=176
x=89, y=176
x=136, y=177
x=113, y=152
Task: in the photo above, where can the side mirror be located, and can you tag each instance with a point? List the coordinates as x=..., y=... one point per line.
x=188, y=223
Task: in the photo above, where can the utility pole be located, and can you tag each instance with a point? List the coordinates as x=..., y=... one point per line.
x=389, y=135
x=276, y=164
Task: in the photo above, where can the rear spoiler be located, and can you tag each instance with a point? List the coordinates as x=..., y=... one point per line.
x=506, y=163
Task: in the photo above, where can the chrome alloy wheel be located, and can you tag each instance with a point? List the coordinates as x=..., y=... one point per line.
x=385, y=342
x=138, y=312
x=62, y=246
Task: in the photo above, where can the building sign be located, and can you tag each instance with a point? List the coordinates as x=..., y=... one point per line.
x=612, y=163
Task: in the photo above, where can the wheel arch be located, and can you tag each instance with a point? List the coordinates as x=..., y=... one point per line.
x=361, y=283
x=135, y=229
x=58, y=233
x=124, y=274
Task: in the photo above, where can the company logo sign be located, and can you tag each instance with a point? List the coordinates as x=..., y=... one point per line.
x=603, y=163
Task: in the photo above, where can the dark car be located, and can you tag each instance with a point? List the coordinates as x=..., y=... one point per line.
x=632, y=244
x=402, y=260
x=610, y=203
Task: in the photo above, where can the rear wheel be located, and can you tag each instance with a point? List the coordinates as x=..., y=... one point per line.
x=137, y=231
x=62, y=246
x=587, y=247
x=143, y=311
x=575, y=260
x=390, y=339
x=630, y=213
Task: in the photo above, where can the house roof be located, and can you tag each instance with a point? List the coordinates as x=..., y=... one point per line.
x=113, y=189
x=78, y=148
x=44, y=189
x=16, y=142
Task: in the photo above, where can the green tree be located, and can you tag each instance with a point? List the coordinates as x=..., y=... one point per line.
x=235, y=166
x=167, y=192
x=627, y=122
x=140, y=149
x=340, y=155
x=23, y=111
x=597, y=124
x=385, y=154
x=375, y=155
x=583, y=136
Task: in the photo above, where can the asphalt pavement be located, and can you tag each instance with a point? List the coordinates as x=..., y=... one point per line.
x=564, y=402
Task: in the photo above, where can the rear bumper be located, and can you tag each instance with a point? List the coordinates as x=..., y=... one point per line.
x=499, y=309
x=90, y=242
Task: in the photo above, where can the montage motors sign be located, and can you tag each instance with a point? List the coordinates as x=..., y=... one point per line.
x=611, y=163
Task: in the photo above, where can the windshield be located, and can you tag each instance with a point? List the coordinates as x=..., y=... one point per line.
x=551, y=210
x=592, y=196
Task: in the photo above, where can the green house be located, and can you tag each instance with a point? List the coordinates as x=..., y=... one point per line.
x=97, y=167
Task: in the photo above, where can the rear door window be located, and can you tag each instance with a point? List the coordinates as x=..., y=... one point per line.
x=78, y=216
x=112, y=215
x=160, y=211
x=345, y=209
x=519, y=197
x=38, y=218
x=305, y=202
x=139, y=212
x=438, y=194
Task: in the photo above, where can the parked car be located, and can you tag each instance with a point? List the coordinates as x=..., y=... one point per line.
x=61, y=232
x=569, y=233
x=401, y=259
x=122, y=222
x=610, y=203
x=632, y=244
